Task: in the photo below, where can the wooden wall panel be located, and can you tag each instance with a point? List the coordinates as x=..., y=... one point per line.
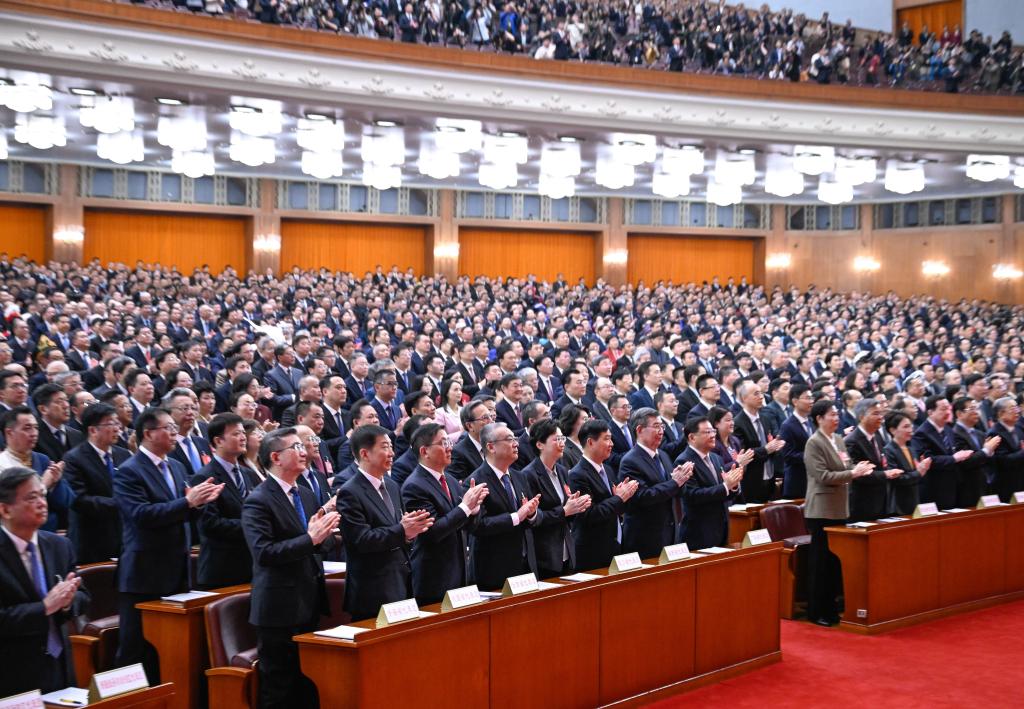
x=685, y=259
x=935, y=15
x=183, y=240
x=23, y=231
x=519, y=252
x=355, y=247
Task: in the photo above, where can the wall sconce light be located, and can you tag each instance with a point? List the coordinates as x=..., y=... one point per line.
x=267, y=243
x=865, y=264
x=448, y=250
x=616, y=257
x=778, y=261
x=1006, y=272
x=934, y=268
x=70, y=235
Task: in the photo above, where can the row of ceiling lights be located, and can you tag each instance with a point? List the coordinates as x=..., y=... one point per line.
x=321, y=138
x=931, y=268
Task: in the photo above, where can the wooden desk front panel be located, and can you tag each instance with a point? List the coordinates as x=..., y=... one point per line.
x=645, y=632
x=903, y=573
x=1014, y=549
x=972, y=558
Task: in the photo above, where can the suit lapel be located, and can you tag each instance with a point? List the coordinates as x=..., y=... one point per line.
x=156, y=478
x=9, y=555
x=374, y=496
x=285, y=506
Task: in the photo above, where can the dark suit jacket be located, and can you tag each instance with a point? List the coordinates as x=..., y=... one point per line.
x=322, y=482
x=49, y=446
x=288, y=587
x=157, y=542
x=285, y=389
x=674, y=441
x=1007, y=462
x=75, y=361
x=755, y=487
x=403, y=466
x=650, y=522
x=794, y=485
x=23, y=618
x=224, y=558
x=95, y=520
x=202, y=448
x=331, y=435
x=868, y=494
x=977, y=471
x=906, y=488
x=939, y=485
x=552, y=532
x=687, y=400
x=136, y=353
x=506, y=414
x=641, y=398
x=439, y=554
x=465, y=459
x=595, y=531
x=355, y=391
x=499, y=549
x=20, y=353
x=378, y=569
x=706, y=503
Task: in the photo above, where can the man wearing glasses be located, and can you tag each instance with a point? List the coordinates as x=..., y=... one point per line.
x=156, y=508
x=439, y=554
x=191, y=451
x=709, y=490
x=467, y=455
x=287, y=532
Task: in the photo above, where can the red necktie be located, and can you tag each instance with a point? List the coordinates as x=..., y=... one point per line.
x=444, y=486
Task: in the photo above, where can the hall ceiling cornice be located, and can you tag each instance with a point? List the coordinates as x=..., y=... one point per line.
x=179, y=63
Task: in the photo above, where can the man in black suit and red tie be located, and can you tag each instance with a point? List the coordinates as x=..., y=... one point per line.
x=709, y=491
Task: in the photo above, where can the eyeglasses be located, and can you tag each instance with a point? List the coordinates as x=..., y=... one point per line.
x=485, y=417
x=657, y=425
x=298, y=446
x=315, y=440
x=446, y=444
x=510, y=439
x=186, y=408
x=170, y=427
x=558, y=439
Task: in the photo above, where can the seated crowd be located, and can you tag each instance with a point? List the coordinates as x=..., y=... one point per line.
x=686, y=36
x=543, y=427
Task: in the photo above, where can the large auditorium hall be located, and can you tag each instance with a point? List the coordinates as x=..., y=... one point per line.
x=511, y=353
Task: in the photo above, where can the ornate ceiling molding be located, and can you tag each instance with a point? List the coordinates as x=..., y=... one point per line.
x=99, y=52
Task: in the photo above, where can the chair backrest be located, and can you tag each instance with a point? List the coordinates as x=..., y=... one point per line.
x=100, y=580
x=783, y=521
x=336, y=599
x=228, y=631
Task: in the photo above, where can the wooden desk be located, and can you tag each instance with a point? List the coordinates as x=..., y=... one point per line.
x=745, y=520
x=158, y=697
x=900, y=573
x=618, y=638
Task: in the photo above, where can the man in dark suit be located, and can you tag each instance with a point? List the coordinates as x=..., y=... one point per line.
x=142, y=351
x=1008, y=457
x=649, y=374
x=674, y=440
x=574, y=385
x=190, y=450
x=651, y=517
x=90, y=468
x=286, y=532
x=156, y=508
x=687, y=395
x=622, y=438
x=757, y=434
x=507, y=410
x=389, y=413
x=502, y=541
x=55, y=437
x=316, y=477
x=79, y=357
x=467, y=455
x=709, y=490
x=598, y=531
x=283, y=380
x=23, y=347
x=977, y=471
x=376, y=530
x=795, y=431
x=439, y=553
x=932, y=439
x=334, y=397
x=869, y=494
x=470, y=369
x=223, y=554
x=39, y=590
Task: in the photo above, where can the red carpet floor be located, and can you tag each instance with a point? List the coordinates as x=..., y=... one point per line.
x=970, y=660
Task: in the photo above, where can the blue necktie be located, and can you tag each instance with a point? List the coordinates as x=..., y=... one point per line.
x=109, y=460
x=314, y=485
x=239, y=479
x=193, y=454
x=299, y=510
x=54, y=646
x=807, y=425
x=168, y=478
x=507, y=482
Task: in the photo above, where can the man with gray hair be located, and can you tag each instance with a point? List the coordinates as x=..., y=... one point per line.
x=756, y=433
x=309, y=390
x=1008, y=458
x=869, y=494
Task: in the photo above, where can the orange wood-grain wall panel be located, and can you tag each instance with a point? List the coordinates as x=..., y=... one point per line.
x=183, y=240
x=935, y=15
x=23, y=231
x=685, y=259
x=355, y=247
x=519, y=252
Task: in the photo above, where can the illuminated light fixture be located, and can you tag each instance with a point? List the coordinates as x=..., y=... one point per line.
x=904, y=177
x=505, y=147
x=183, y=131
x=779, y=261
x=319, y=135
x=121, y=148
x=258, y=119
x=560, y=159
x=247, y=150
x=112, y=114
x=688, y=160
x=734, y=169
x=1018, y=177
x=865, y=264
x=168, y=101
x=310, y=116
x=634, y=148
x=724, y=195
x=568, y=139
x=456, y=135
x=267, y=243
x=192, y=163
x=616, y=257
x=84, y=91
x=31, y=95
x=780, y=179
x=556, y=186
x=40, y=132
x=832, y=192
x=814, y=159
x=70, y=235
x=447, y=250
x=670, y=185
x=383, y=146
x=435, y=161
x=613, y=173
x=934, y=268
x=856, y=171
x=1006, y=272
x=323, y=165
x=382, y=177
x=3, y=145
x=498, y=175
x=988, y=168
x=382, y=123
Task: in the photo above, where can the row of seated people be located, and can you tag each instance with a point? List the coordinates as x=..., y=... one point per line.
x=694, y=36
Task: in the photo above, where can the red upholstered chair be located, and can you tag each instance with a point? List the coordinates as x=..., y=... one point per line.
x=785, y=523
x=232, y=677
x=95, y=632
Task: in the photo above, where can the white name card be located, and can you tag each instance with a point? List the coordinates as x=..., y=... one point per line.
x=1018, y=498
x=105, y=685
x=397, y=612
x=674, y=552
x=524, y=583
x=925, y=509
x=625, y=562
x=757, y=536
x=456, y=598
x=989, y=501
x=28, y=700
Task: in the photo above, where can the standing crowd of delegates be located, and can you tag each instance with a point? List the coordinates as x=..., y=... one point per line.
x=683, y=36
x=454, y=431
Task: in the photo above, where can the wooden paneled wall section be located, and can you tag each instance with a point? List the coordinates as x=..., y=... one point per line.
x=934, y=15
